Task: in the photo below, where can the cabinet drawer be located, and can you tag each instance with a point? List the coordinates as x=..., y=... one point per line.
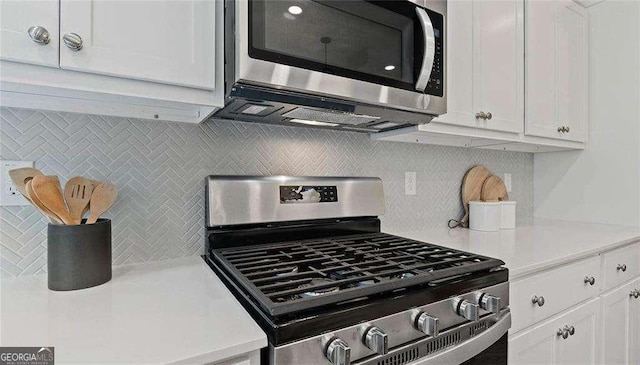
x=561, y=288
x=620, y=265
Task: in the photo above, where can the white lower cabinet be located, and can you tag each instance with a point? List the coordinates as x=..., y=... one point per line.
x=546, y=343
x=590, y=313
x=621, y=325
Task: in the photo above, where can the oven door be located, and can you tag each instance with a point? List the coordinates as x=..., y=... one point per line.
x=489, y=347
x=377, y=52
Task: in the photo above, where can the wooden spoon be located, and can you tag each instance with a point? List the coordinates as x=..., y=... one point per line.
x=21, y=176
x=102, y=198
x=77, y=193
x=39, y=206
x=48, y=191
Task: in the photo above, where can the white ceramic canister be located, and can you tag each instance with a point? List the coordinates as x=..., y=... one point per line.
x=485, y=216
x=508, y=220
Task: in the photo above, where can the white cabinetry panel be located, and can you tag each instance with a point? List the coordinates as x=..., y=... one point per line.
x=171, y=42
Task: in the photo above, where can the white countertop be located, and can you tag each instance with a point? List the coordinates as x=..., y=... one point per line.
x=158, y=312
x=534, y=247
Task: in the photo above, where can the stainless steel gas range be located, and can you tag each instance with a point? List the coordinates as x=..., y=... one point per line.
x=306, y=258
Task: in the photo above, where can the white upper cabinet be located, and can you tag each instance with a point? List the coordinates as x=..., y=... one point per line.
x=485, y=65
x=170, y=42
x=556, y=70
x=29, y=31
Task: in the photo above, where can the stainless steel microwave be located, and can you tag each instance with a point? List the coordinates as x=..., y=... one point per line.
x=353, y=64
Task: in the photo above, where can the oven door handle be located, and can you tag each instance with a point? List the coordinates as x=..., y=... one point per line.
x=468, y=349
x=429, y=49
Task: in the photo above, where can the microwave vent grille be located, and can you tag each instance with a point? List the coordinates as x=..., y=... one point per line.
x=329, y=116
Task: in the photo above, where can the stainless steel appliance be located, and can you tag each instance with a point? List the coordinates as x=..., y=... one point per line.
x=359, y=65
x=306, y=258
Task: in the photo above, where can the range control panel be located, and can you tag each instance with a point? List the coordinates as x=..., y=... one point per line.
x=290, y=194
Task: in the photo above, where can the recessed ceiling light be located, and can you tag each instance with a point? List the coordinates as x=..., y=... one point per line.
x=390, y=67
x=295, y=10
x=313, y=122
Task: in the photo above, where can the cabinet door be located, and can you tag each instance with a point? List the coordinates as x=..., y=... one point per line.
x=16, y=17
x=556, y=70
x=485, y=64
x=164, y=41
x=620, y=325
x=498, y=63
x=541, y=344
x=540, y=74
x=572, y=69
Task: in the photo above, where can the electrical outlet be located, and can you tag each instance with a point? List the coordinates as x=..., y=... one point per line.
x=9, y=194
x=410, y=183
x=507, y=182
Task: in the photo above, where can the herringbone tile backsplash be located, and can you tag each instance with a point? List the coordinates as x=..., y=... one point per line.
x=159, y=169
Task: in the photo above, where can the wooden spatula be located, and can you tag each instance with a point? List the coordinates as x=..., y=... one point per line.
x=77, y=193
x=21, y=176
x=47, y=189
x=39, y=206
x=102, y=198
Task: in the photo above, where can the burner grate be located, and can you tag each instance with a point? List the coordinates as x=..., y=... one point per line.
x=293, y=276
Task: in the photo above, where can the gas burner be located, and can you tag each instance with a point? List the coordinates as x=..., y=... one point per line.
x=318, y=292
x=344, y=274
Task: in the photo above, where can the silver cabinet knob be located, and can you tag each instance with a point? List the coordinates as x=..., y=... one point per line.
x=572, y=330
x=72, y=41
x=567, y=129
x=560, y=129
x=481, y=115
x=376, y=340
x=428, y=325
x=621, y=267
x=539, y=300
x=489, y=116
x=466, y=309
x=589, y=280
x=563, y=332
x=39, y=34
x=635, y=293
x=490, y=303
x=338, y=352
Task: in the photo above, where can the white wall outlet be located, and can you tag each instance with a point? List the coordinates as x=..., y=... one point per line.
x=9, y=195
x=507, y=182
x=410, y=183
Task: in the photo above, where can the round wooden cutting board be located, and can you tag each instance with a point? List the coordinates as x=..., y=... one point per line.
x=472, y=188
x=493, y=190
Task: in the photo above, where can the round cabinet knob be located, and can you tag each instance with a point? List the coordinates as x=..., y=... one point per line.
x=589, y=280
x=482, y=115
x=563, y=332
x=39, y=34
x=572, y=330
x=488, y=116
x=567, y=129
x=428, y=325
x=622, y=267
x=72, y=41
x=338, y=352
x=466, y=309
x=376, y=340
x=489, y=303
x=635, y=293
x=539, y=300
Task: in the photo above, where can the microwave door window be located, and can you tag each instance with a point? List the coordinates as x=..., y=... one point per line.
x=355, y=39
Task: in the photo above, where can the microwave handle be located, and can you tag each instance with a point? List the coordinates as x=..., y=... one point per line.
x=429, y=49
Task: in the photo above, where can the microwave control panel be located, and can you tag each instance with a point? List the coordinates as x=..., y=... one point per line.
x=435, y=86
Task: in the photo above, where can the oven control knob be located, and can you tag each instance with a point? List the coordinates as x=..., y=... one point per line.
x=376, y=340
x=338, y=352
x=466, y=309
x=427, y=324
x=489, y=303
